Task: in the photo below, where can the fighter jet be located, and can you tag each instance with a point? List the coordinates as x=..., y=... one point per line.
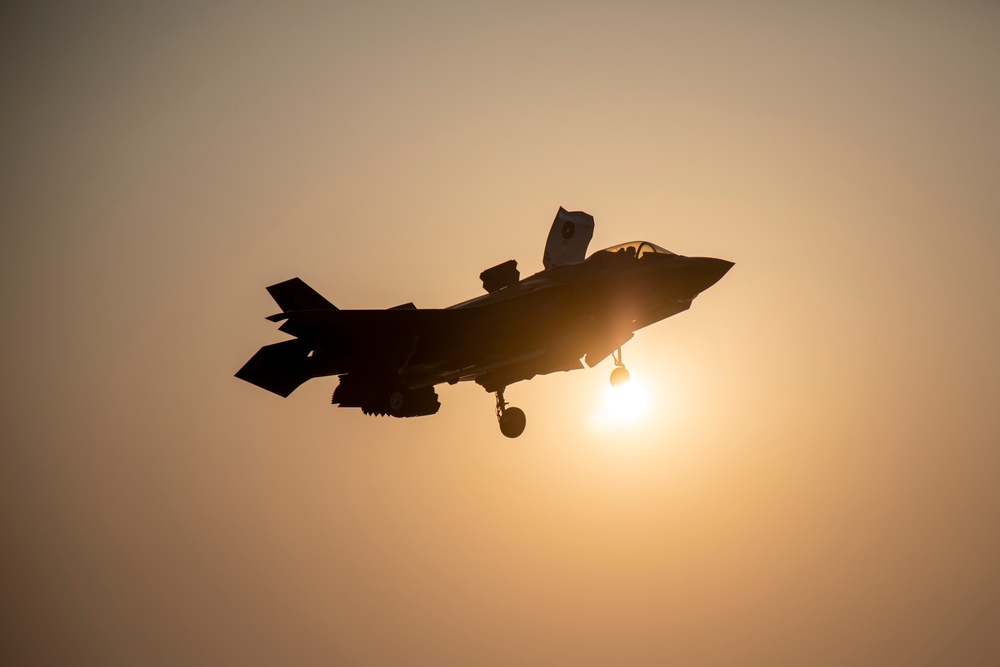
x=578, y=307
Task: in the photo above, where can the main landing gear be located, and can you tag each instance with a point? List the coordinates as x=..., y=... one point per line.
x=619, y=375
x=512, y=420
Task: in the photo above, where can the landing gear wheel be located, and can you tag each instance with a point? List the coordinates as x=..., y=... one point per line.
x=619, y=375
x=512, y=422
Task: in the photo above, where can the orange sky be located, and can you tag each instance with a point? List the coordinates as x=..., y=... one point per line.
x=818, y=482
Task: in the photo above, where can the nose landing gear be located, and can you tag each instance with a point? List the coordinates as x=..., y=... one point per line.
x=619, y=375
x=512, y=420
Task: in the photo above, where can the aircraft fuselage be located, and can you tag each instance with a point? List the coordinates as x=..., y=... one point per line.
x=574, y=309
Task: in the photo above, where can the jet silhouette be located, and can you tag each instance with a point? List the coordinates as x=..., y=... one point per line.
x=388, y=361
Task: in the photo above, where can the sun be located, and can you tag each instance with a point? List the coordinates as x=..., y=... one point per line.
x=628, y=402
x=625, y=405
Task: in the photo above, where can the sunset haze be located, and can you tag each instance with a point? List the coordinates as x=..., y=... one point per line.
x=814, y=479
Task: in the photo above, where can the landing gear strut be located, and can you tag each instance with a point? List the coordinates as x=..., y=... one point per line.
x=512, y=420
x=619, y=375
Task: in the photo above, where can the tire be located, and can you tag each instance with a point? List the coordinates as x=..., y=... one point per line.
x=619, y=376
x=512, y=422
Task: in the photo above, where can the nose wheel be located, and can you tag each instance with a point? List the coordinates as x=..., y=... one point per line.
x=512, y=420
x=619, y=375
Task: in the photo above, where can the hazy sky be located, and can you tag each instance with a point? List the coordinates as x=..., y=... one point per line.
x=817, y=481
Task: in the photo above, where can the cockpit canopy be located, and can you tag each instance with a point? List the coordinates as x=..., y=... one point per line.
x=635, y=249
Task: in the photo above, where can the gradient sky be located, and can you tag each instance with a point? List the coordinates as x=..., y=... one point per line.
x=817, y=483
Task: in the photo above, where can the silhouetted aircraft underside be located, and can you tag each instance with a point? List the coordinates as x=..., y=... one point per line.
x=388, y=361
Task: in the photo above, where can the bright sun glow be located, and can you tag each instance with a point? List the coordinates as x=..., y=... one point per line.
x=628, y=402
x=626, y=405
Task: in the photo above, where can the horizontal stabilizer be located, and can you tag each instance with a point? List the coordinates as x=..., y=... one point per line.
x=294, y=294
x=279, y=368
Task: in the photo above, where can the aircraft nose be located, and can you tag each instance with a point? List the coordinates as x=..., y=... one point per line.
x=706, y=271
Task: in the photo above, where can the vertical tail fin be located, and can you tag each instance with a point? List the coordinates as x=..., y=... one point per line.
x=294, y=294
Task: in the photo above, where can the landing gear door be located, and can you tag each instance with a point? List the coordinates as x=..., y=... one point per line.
x=601, y=349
